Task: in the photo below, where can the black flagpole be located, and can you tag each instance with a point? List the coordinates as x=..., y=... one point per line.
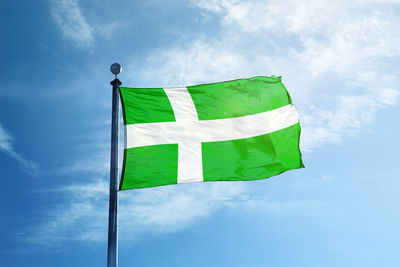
x=112, y=255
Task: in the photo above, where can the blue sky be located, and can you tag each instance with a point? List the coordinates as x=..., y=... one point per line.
x=340, y=62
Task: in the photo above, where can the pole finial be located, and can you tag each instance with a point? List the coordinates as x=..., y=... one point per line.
x=116, y=69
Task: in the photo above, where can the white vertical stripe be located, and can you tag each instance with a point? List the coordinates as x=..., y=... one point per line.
x=182, y=104
x=190, y=166
x=190, y=163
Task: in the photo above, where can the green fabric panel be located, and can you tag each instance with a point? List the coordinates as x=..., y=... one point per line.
x=150, y=166
x=252, y=158
x=141, y=105
x=239, y=97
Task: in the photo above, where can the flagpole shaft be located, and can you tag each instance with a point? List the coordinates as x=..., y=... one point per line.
x=112, y=256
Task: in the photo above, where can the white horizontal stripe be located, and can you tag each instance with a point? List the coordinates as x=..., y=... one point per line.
x=146, y=134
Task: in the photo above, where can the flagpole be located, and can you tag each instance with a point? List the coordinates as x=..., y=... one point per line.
x=112, y=255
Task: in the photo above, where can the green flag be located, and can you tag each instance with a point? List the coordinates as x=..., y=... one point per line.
x=245, y=129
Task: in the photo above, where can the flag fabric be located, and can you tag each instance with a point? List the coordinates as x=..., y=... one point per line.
x=244, y=129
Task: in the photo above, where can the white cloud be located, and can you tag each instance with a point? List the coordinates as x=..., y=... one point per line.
x=84, y=216
x=336, y=58
x=307, y=16
x=73, y=24
x=6, y=145
x=203, y=60
x=5, y=139
x=97, y=165
x=173, y=208
x=78, y=28
x=352, y=114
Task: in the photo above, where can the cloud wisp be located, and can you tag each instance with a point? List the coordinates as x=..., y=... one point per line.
x=83, y=216
x=163, y=209
x=6, y=146
x=74, y=26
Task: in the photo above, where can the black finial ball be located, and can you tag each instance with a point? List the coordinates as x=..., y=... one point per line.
x=116, y=68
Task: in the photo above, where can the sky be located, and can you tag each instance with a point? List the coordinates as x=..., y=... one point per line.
x=338, y=59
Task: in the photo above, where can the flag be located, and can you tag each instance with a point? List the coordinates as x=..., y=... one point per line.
x=245, y=129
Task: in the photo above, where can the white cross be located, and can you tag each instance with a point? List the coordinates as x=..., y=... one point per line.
x=189, y=132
